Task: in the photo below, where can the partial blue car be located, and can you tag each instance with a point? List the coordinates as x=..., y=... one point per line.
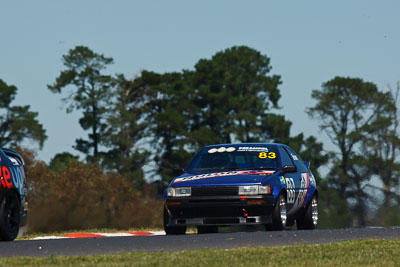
x=242, y=184
x=13, y=194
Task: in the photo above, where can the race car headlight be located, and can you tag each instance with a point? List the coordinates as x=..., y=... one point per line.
x=248, y=190
x=264, y=189
x=170, y=191
x=253, y=189
x=179, y=191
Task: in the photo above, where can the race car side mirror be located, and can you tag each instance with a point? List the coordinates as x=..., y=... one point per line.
x=289, y=168
x=307, y=163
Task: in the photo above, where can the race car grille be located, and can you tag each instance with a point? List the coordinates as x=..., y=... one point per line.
x=219, y=190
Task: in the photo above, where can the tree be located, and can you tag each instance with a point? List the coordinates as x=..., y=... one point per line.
x=346, y=109
x=382, y=146
x=235, y=92
x=126, y=130
x=61, y=161
x=90, y=92
x=170, y=114
x=225, y=99
x=17, y=123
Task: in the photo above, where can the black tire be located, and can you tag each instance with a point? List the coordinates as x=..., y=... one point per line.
x=207, y=229
x=279, y=215
x=309, y=219
x=9, y=215
x=289, y=223
x=172, y=230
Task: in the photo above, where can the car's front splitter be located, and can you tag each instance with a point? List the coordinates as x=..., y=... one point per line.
x=221, y=221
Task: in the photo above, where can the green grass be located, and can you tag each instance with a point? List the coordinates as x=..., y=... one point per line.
x=351, y=253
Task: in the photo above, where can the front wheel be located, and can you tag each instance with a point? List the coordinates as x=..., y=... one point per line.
x=279, y=215
x=9, y=215
x=309, y=219
x=172, y=230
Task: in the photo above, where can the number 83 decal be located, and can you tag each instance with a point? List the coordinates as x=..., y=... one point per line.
x=265, y=155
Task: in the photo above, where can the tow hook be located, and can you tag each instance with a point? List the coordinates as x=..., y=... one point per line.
x=245, y=214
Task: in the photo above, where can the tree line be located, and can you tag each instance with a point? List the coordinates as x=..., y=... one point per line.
x=161, y=119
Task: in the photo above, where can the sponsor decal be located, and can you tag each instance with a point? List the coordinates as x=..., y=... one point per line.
x=282, y=179
x=5, y=179
x=230, y=149
x=304, y=184
x=253, y=148
x=221, y=149
x=221, y=174
x=265, y=155
x=294, y=157
x=13, y=161
x=18, y=177
x=212, y=150
x=291, y=194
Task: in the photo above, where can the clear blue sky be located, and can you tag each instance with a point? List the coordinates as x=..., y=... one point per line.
x=309, y=42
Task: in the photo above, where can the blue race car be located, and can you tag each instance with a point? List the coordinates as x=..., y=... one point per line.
x=13, y=195
x=242, y=184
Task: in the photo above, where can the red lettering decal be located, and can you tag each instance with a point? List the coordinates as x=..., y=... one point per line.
x=7, y=176
x=2, y=184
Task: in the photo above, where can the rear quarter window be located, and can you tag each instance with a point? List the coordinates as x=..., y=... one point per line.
x=301, y=167
x=286, y=160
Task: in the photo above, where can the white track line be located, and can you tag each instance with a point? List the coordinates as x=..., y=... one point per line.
x=48, y=237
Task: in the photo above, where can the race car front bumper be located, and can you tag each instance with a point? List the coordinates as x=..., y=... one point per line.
x=225, y=210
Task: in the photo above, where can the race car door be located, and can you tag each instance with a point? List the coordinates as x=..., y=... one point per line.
x=302, y=183
x=291, y=180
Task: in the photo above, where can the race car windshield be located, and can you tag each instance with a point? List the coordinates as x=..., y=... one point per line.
x=235, y=158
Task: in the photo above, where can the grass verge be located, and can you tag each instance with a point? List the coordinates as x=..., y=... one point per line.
x=351, y=253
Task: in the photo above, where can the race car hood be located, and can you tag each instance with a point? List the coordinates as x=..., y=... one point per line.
x=222, y=178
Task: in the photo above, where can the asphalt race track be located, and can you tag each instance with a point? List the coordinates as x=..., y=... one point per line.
x=111, y=245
